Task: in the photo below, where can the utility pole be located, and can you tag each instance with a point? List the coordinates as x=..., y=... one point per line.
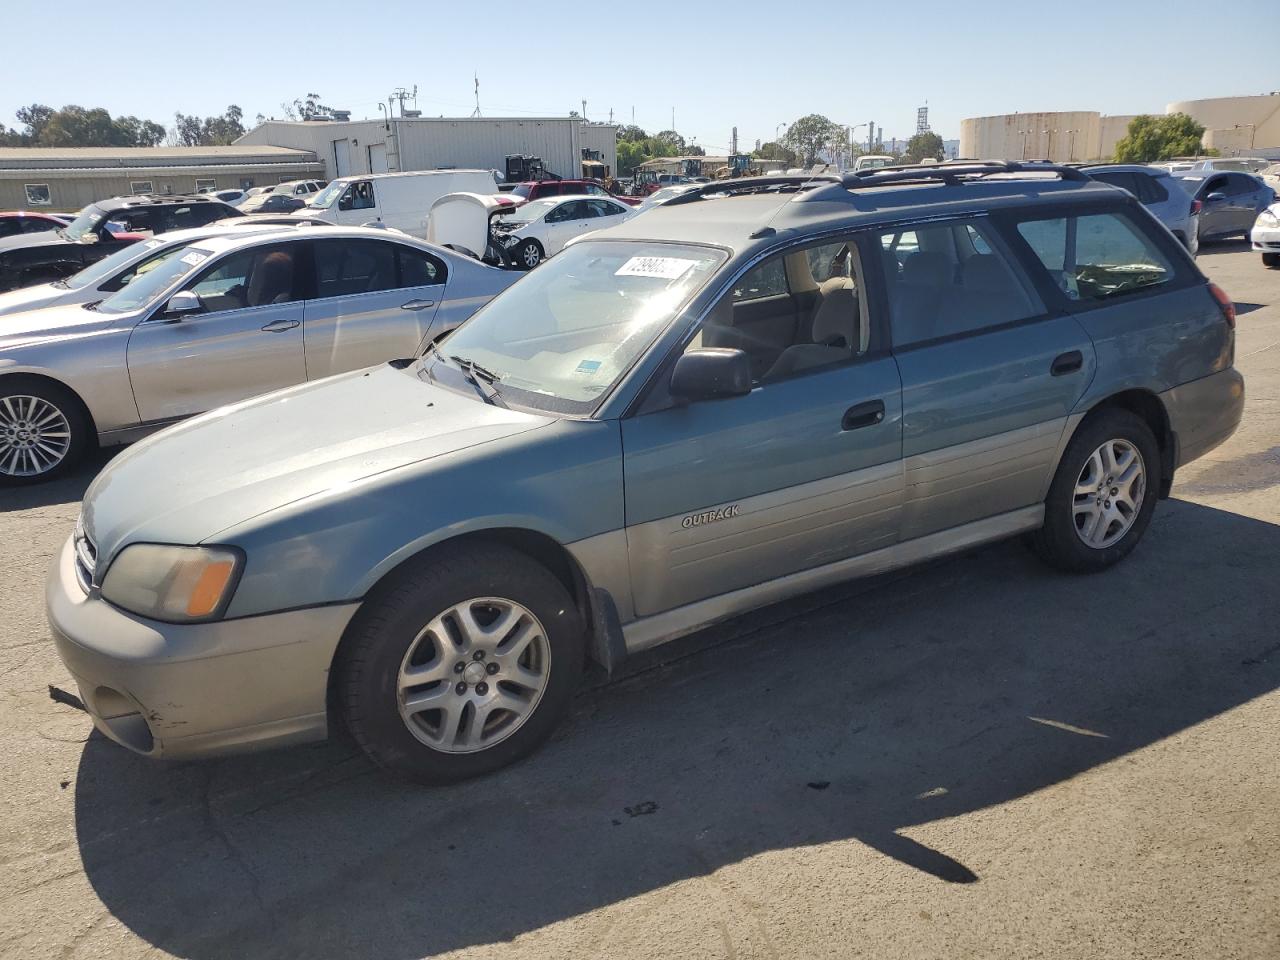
x=401, y=94
x=871, y=137
x=584, y=110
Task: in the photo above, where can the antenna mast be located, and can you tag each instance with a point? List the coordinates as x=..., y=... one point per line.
x=476, y=111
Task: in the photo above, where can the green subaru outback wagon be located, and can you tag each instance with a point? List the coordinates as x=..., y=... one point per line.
x=756, y=389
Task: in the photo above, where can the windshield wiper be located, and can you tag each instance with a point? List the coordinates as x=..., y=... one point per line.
x=480, y=378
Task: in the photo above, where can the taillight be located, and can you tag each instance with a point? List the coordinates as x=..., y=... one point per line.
x=1195, y=207
x=1225, y=304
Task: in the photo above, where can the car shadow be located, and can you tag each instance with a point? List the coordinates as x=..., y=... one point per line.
x=856, y=713
x=68, y=489
x=1213, y=248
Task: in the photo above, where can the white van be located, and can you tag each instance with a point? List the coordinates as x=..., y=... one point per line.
x=397, y=200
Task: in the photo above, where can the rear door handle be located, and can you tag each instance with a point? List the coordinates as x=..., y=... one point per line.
x=1067, y=363
x=279, y=326
x=417, y=305
x=863, y=415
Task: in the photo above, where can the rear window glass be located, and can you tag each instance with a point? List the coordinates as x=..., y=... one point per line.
x=1096, y=257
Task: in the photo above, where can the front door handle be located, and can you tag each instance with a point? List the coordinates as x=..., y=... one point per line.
x=1067, y=363
x=863, y=415
x=279, y=326
x=417, y=305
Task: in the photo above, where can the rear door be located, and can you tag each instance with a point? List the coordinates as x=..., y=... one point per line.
x=247, y=341
x=989, y=374
x=374, y=301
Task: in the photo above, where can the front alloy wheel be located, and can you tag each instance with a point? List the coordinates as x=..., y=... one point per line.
x=530, y=254
x=42, y=431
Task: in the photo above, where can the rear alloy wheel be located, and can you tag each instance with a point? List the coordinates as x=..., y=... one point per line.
x=1103, y=494
x=530, y=254
x=460, y=664
x=42, y=431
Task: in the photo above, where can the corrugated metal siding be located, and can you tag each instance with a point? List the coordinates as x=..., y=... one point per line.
x=320, y=138
x=485, y=144
x=604, y=138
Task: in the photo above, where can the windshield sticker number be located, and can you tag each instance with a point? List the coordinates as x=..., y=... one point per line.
x=151, y=244
x=194, y=258
x=664, y=268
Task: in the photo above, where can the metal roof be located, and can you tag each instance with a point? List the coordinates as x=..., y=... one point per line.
x=31, y=158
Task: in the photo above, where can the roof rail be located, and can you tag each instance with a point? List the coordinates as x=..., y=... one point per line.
x=777, y=184
x=953, y=174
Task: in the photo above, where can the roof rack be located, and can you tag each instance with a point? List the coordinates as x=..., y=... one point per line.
x=953, y=174
x=748, y=185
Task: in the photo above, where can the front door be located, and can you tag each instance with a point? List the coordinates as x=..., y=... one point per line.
x=802, y=471
x=988, y=376
x=565, y=222
x=247, y=340
x=374, y=302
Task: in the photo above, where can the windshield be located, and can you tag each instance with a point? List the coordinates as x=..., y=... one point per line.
x=147, y=286
x=1190, y=184
x=521, y=190
x=96, y=272
x=85, y=223
x=530, y=211
x=563, y=336
x=326, y=197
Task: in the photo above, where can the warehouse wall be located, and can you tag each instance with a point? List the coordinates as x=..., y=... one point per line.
x=1227, y=121
x=1060, y=136
x=341, y=146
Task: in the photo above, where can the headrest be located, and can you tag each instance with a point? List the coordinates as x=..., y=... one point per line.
x=836, y=320
x=926, y=268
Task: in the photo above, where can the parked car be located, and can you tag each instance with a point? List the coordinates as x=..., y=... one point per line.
x=399, y=200
x=1265, y=235
x=663, y=194
x=106, y=276
x=16, y=222
x=280, y=203
x=1155, y=190
x=540, y=228
x=1230, y=202
x=298, y=188
x=234, y=315
x=743, y=395
x=1218, y=164
x=1271, y=176
x=544, y=189
x=96, y=233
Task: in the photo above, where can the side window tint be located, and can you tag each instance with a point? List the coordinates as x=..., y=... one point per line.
x=786, y=336
x=362, y=195
x=1096, y=257
x=250, y=278
x=348, y=267
x=417, y=269
x=603, y=208
x=938, y=288
x=769, y=279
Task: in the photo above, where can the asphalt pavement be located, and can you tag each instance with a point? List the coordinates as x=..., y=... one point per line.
x=979, y=758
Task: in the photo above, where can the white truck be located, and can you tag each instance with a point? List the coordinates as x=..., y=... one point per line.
x=400, y=201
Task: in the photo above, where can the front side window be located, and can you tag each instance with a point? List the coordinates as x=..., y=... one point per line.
x=38, y=194
x=257, y=277
x=577, y=324
x=1096, y=257
x=348, y=267
x=950, y=279
x=815, y=315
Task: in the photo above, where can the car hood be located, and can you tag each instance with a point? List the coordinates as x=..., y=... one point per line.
x=50, y=323
x=29, y=298
x=187, y=483
x=24, y=241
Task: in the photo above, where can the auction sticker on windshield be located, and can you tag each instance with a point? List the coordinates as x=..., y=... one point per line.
x=195, y=258
x=664, y=268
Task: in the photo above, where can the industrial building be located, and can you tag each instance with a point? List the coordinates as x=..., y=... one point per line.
x=429, y=143
x=68, y=178
x=1234, y=126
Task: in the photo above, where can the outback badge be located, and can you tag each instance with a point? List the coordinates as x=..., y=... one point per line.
x=710, y=516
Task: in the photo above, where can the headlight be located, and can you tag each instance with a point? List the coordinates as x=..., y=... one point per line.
x=174, y=584
x=1268, y=219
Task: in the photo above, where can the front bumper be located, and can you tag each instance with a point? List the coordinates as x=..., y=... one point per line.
x=187, y=690
x=1204, y=413
x=1265, y=239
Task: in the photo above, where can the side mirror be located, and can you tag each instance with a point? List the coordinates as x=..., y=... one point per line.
x=1216, y=197
x=182, y=304
x=344, y=202
x=709, y=373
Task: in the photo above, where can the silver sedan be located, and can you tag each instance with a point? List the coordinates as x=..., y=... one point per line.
x=229, y=317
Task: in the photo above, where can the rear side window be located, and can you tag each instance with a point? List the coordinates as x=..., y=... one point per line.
x=417, y=269
x=950, y=279
x=1239, y=185
x=348, y=267
x=1146, y=188
x=1096, y=257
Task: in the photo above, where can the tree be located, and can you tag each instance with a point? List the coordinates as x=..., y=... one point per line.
x=673, y=140
x=35, y=118
x=811, y=136
x=76, y=126
x=631, y=133
x=775, y=151
x=1150, y=138
x=926, y=145
x=209, y=132
x=306, y=108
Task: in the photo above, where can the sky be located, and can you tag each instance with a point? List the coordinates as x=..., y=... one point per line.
x=752, y=64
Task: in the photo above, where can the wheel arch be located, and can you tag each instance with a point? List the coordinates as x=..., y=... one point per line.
x=599, y=616
x=9, y=376
x=1146, y=405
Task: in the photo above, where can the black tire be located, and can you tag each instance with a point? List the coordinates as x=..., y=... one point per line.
x=529, y=254
x=15, y=394
x=1058, y=542
x=381, y=635
x=1271, y=260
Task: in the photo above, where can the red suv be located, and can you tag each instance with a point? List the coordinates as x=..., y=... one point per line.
x=541, y=189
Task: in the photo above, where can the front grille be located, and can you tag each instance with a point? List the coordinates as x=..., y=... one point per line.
x=86, y=558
